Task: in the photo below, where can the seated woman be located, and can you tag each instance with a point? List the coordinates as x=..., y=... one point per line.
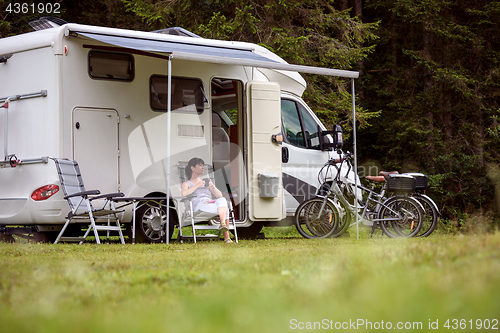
x=202, y=201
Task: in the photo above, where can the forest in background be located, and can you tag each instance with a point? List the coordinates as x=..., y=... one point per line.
x=428, y=93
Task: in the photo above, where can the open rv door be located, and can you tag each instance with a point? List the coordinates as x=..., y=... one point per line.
x=265, y=192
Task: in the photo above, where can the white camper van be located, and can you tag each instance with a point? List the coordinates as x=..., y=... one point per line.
x=100, y=96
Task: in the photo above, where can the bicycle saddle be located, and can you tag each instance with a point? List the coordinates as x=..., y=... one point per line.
x=376, y=178
x=387, y=173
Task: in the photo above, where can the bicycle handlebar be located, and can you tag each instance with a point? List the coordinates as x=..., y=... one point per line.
x=343, y=158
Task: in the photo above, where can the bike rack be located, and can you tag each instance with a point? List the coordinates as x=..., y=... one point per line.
x=12, y=159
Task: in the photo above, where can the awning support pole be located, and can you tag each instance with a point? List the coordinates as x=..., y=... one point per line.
x=169, y=116
x=355, y=157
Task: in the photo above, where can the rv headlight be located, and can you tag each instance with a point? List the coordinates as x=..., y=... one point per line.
x=44, y=192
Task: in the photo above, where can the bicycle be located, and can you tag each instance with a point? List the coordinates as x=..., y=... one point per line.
x=431, y=214
x=334, y=209
x=431, y=209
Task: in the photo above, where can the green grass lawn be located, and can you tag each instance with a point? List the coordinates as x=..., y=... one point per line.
x=277, y=284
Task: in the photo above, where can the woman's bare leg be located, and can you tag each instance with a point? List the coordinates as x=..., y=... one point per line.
x=222, y=215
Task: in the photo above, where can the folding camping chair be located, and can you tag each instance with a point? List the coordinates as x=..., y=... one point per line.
x=189, y=217
x=80, y=203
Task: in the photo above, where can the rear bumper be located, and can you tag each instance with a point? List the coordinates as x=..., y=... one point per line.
x=24, y=211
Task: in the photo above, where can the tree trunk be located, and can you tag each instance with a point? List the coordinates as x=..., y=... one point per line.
x=343, y=4
x=428, y=87
x=394, y=45
x=358, y=9
x=358, y=12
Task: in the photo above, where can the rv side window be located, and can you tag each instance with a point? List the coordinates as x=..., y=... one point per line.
x=299, y=127
x=187, y=94
x=111, y=66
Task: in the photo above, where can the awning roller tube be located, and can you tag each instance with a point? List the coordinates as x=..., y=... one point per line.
x=213, y=54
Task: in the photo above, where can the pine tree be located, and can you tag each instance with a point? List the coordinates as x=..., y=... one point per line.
x=435, y=75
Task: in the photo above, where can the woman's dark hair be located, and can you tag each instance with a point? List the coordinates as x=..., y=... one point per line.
x=192, y=163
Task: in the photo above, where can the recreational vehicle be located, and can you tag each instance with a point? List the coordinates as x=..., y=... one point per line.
x=132, y=107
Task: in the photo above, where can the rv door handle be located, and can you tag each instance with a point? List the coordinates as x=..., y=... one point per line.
x=284, y=155
x=77, y=125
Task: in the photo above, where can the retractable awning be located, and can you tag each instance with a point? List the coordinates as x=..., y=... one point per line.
x=212, y=54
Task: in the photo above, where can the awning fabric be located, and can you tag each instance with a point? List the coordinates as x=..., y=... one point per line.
x=172, y=47
x=212, y=54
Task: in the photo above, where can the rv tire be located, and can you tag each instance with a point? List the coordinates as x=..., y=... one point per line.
x=250, y=232
x=45, y=237
x=4, y=238
x=150, y=224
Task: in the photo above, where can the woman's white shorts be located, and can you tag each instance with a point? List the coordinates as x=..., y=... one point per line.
x=212, y=207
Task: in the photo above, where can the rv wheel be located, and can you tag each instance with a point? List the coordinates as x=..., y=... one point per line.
x=250, y=232
x=45, y=237
x=150, y=224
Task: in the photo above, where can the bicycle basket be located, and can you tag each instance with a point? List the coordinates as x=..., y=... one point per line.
x=400, y=183
x=421, y=180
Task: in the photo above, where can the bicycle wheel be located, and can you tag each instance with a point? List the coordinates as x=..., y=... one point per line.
x=430, y=215
x=345, y=218
x=316, y=217
x=404, y=217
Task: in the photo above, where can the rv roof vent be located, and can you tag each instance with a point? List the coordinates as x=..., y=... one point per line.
x=177, y=31
x=46, y=22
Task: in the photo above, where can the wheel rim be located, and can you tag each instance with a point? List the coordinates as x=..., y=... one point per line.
x=408, y=215
x=409, y=218
x=311, y=222
x=319, y=223
x=430, y=217
x=408, y=225
x=344, y=220
x=153, y=223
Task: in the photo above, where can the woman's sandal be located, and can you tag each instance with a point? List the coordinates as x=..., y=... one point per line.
x=228, y=240
x=223, y=228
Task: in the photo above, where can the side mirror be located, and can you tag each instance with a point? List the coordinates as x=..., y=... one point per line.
x=337, y=135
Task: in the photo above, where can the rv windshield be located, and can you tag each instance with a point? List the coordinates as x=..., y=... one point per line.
x=187, y=94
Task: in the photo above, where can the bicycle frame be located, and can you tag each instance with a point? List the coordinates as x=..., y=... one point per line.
x=365, y=214
x=330, y=212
